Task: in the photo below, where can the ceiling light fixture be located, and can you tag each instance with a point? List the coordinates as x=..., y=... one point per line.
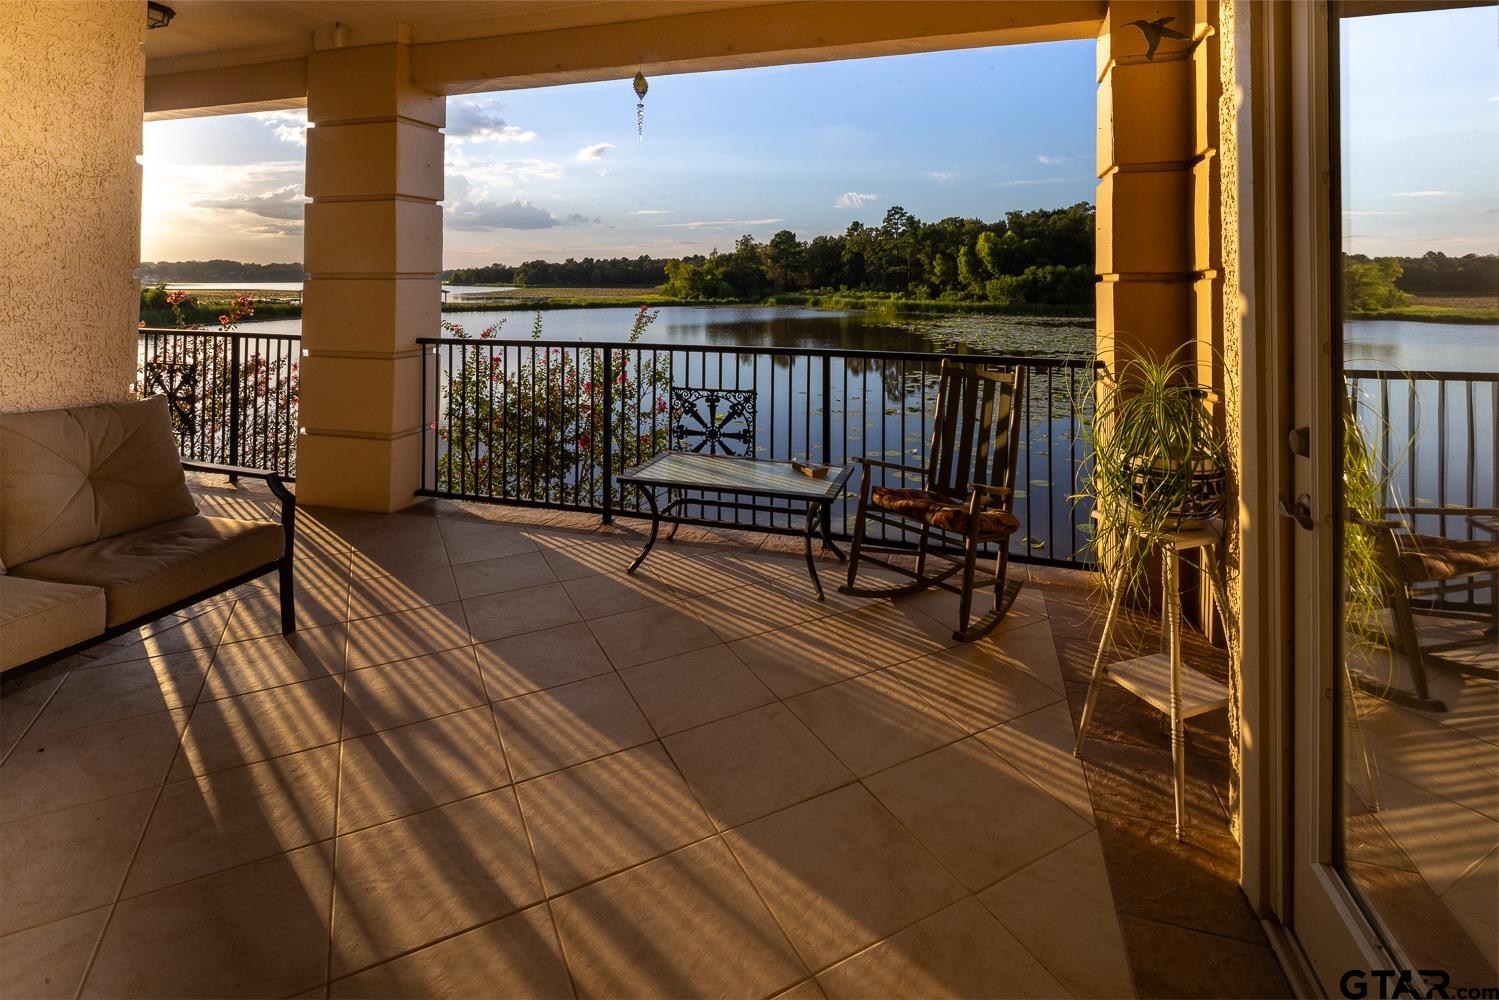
x=158, y=15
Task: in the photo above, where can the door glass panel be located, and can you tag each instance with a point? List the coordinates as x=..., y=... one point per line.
x=1419, y=699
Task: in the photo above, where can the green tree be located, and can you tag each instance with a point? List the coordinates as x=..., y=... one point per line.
x=1370, y=285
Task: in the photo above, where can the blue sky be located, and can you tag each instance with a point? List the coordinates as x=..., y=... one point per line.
x=1421, y=132
x=558, y=172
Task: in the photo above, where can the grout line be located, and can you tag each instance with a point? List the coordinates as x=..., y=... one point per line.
x=338, y=780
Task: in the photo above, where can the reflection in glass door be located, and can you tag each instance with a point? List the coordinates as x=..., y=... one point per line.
x=1417, y=825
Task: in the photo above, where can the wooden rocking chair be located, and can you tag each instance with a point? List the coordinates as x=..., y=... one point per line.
x=966, y=494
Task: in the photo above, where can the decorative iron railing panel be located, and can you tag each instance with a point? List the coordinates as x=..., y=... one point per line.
x=233, y=394
x=550, y=424
x=1435, y=440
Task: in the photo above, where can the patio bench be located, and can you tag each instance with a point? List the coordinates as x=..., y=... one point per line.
x=100, y=535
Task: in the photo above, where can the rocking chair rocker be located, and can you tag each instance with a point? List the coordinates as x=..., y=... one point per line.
x=966, y=494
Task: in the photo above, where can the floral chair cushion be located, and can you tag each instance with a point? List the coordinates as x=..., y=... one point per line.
x=939, y=512
x=1429, y=558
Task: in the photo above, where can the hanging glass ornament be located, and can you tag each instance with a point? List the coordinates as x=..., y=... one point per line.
x=640, y=88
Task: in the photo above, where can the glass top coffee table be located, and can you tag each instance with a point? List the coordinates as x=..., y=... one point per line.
x=764, y=480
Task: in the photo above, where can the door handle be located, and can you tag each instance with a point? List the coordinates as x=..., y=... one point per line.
x=1300, y=511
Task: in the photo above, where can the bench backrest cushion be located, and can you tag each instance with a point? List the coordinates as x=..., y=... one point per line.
x=71, y=477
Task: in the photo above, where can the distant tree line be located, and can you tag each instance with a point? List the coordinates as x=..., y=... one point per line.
x=614, y=272
x=154, y=271
x=1435, y=273
x=1027, y=258
x=1380, y=283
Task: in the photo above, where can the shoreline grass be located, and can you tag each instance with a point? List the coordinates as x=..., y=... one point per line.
x=1431, y=314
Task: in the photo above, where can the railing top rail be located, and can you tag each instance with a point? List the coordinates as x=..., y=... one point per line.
x=1399, y=375
x=795, y=352
x=242, y=334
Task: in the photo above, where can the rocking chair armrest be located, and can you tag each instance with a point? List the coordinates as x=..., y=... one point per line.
x=896, y=466
x=1385, y=524
x=999, y=491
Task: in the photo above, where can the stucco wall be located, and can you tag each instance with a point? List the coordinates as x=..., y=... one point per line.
x=72, y=73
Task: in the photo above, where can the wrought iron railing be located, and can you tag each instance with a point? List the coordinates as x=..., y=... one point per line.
x=1435, y=439
x=551, y=424
x=233, y=395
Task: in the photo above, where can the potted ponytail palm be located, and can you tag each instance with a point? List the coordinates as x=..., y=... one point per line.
x=1157, y=463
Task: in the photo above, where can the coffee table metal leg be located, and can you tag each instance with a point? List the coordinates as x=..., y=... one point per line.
x=650, y=497
x=812, y=510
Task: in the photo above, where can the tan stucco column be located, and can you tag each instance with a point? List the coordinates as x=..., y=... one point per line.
x=1145, y=186
x=373, y=247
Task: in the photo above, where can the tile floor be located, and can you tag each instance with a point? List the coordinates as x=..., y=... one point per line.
x=490, y=763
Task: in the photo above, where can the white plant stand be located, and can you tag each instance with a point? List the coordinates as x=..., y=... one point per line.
x=1161, y=679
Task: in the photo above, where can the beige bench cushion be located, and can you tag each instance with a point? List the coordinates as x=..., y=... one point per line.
x=74, y=476
x=38, y=617
x=152, y=568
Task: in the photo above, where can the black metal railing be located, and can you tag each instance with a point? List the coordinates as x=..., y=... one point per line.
x=551, y=424
x=233, y=395
x=1435, y=442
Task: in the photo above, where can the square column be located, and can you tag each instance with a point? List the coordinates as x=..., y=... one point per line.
x=373, y=250
x=1145, y=161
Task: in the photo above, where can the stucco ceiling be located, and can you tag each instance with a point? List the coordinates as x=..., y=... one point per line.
x=203, y=28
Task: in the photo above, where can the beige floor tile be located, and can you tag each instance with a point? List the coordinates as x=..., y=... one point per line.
x=1442, y=838
x=372, y=596
x=606, y=815
x=75, y=859
x=606, y=594
x=256, y=664
x=975, y=688
x=538, y=660
x=1436, y=758
x=960, y=952
x=401, y=771
x=423, y=687
x=807, y=989
x=516, y=612
x=688, y=924
x=501, y=574
x=796, y=660
x=407, y=883
x=205, y=825
x=1039, y=745
x=1476, y=894
x=47, y=962
x=258, y=930
x=260, y=725
x=259, y=612
x=747, y=611
x=753, y=763
x=692, y=573
x=1028, y=652
x=1028, y=608
x=840, y=872
x=976, y=812
x=517, y=956
x=556, y=728
x=391, y=558
x=170, y=635
x=874, y=721
x=405, y=634
x=21, y=701
x=573, y=558
x=1062, y=909
x=48, y=771
x=476, y=546
x=637, y=637
x=120, y=690
x=688, y=690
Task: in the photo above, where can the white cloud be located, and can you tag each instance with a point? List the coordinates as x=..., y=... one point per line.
x=853, y=199
x=717, y=224
x=283, y=204
x=473, y=121
x=652, y=211
x=943, y=177
x=1425, y=194
x=1052, y=161
x=514, y=214
x=1027, y=182
x=1360, y=214
x=288, y=126
x=595, y=152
